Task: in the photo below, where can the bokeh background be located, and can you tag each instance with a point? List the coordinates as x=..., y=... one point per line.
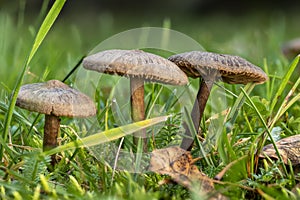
x=157, y=7
x=254, y=29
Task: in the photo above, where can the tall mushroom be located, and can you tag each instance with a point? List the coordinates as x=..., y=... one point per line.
x=138, y=66
x=54, y=99
x=212, y=67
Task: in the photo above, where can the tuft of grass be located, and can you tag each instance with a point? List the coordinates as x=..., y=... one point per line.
x=45, y=27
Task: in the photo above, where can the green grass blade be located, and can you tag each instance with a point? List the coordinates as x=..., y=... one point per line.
x=291, y=102
x=228, y=93
x=45, y=27
x=73, y=69
x=43, y=11
x=267, y=129
x=119, y=117
x=193, y=131
x=18, y=117
x=109, y=135
x=286, y=104
x=268, y=83
x=284, y=82
x=149, y=111
x=238, y=103
x=229, y=154
x=166, y=33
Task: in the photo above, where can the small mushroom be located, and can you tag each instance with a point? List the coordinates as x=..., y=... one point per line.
x=291, y=48
x=212, y=67
x=54, y=99
x=138, y=66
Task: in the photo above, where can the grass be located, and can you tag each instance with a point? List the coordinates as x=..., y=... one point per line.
x=91, y=172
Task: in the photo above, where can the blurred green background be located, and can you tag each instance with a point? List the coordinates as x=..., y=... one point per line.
x=254, y=30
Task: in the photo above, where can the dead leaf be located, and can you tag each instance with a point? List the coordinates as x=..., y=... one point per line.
x=179, y=164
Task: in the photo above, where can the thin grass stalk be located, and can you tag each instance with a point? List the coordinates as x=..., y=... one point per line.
x=247, y=122
x=19, y=117
x=183, y=92
x=292, y=173
x=21, y=13
x=230, y=93
x=153, y=103
x=73, y=69
x=284, y=82
x=232, y=118
x=264, y=195
x=268, y=84
x=291, y=102
x=170, y=99
x=138, y=157
x=239, y=103
x=283, y=107
x=286, y=104
x=117, y=111
x=166, y=33
x=191, y=127
x=45, y=27
x=108, y=104
x=267, y=129
x=42, y=12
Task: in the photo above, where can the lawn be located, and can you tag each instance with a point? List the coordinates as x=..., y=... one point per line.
x=41, y=47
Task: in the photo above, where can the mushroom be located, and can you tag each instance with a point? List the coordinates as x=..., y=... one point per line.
x=54, y=99
x=289, y=149
x=212, y=67
x=291, y=48
x=138, y=66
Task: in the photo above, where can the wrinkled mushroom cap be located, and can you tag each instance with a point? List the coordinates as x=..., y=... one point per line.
x=289, y=149
x=56, y=98
x=291, y=48
x=136, y=63
x=232, y=69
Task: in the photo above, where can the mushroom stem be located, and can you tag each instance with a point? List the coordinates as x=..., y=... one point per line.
x=138, y=108
x=197, y=112
x=51, y=129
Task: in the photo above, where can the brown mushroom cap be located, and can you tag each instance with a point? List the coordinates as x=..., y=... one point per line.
x=136, y=63
x=291, y=48
x=289, y=149
x=56, y=98
x=232, y=69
